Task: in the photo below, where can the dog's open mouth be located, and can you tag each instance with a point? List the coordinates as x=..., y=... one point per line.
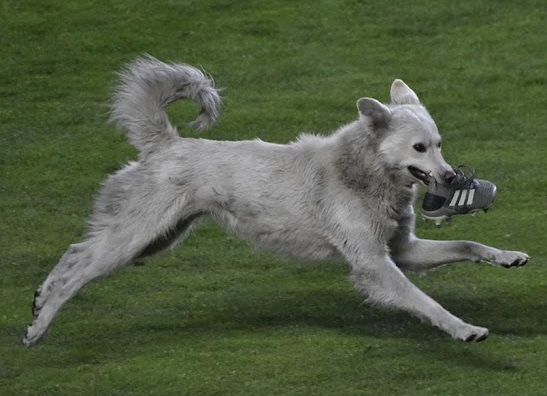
x=419, y=174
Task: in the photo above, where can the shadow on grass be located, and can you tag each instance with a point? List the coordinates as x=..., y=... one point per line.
x=136, y=317
x=222, y=314
x=340, y=308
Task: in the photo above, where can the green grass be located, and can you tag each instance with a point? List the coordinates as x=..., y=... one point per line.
x=216, y=317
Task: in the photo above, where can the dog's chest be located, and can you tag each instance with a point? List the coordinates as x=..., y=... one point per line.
x=388, y=210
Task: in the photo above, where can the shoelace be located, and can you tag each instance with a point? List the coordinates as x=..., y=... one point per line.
x=465, y=176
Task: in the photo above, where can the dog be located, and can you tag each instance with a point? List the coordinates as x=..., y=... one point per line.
x=347, y=195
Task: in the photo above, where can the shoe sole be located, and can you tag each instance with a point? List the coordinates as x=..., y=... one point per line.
x=439, y=219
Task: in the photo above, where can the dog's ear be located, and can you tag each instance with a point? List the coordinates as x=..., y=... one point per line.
x=402, y=94
x=375, y=111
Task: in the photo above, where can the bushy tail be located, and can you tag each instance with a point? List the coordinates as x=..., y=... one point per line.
x=147, y=87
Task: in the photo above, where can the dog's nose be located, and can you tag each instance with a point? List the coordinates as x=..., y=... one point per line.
x=449, y=176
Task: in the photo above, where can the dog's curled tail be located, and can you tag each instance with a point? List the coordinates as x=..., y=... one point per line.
x=147, y=86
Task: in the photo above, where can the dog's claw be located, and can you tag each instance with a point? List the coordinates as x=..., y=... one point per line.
x=24, y=340
x=482, y=337
x=477, y=337
x=518, y=262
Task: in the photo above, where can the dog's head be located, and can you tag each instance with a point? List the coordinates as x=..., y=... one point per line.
x=408, y=139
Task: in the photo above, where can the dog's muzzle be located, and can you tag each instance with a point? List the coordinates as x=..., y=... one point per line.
x=419, y=174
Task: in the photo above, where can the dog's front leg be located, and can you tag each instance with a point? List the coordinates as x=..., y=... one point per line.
x=422, y=254
x=376, y=276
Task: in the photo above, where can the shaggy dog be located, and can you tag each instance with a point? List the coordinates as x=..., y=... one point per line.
x=346, y=195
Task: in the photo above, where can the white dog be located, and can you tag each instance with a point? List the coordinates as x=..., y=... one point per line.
x=346, y=195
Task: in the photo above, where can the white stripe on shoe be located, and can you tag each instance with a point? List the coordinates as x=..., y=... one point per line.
x=461, y=202
x=460, y=196
x=471, y=196
x=455, y=198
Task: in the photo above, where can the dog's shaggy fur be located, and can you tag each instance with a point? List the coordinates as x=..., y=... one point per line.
x=346, y=195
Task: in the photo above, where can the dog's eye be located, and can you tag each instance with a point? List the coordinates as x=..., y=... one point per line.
x=419, y=148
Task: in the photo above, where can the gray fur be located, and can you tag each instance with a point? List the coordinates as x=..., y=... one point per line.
x=347, y=195
x=147, y=87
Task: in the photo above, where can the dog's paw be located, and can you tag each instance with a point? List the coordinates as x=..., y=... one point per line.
x=35, y=332
x=509, y=259
x=29, y=338
x=469, y=333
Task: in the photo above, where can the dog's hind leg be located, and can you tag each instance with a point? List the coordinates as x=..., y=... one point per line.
x=101, y=253
x=171, y=237
x=67, y=261
x=94, y=257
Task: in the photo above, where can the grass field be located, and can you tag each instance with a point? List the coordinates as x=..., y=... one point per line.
x=216, y=317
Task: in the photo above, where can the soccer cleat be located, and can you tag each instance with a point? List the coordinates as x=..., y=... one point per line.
x=464, y=195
